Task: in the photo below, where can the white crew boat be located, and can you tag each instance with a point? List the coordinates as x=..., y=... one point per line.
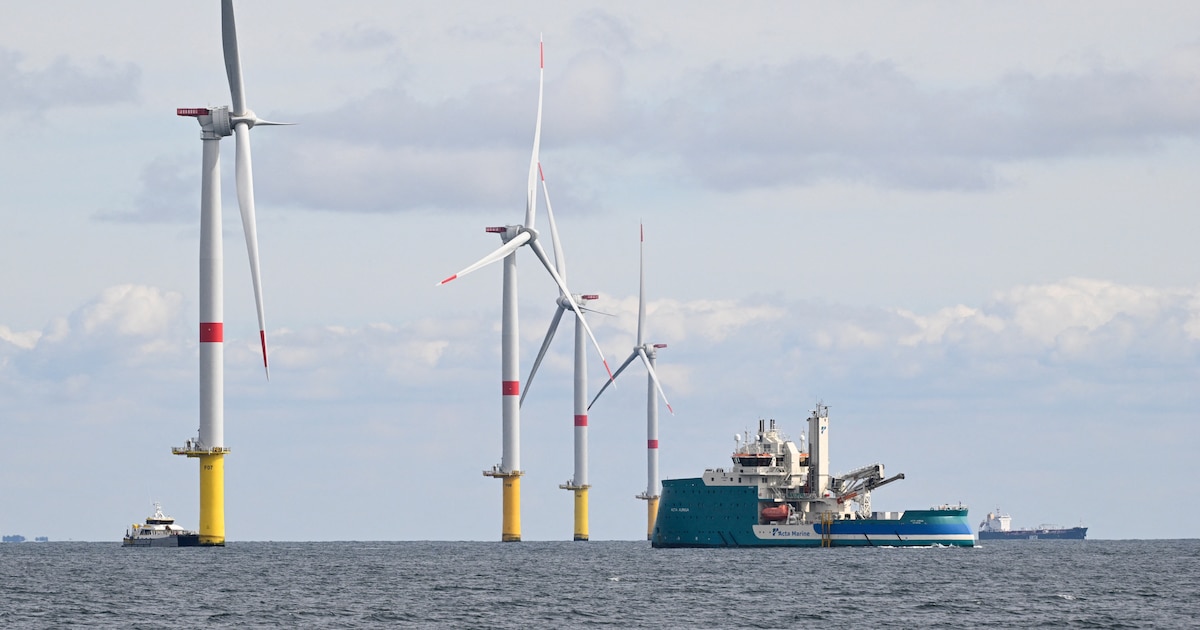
x=159, y=530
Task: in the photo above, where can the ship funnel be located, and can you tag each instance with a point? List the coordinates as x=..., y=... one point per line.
x=772, y=424
x=762, y=424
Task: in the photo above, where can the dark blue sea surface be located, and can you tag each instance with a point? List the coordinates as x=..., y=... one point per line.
x=1003, y=584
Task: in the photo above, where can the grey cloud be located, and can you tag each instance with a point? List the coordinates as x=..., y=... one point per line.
x=64, y=83
x=361, y=37
x=825, y=119
x=731, y=129
x=169, y=193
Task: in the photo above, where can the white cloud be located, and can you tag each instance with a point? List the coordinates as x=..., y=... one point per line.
x=131, y=311
x=947, y=324
x=24, y=340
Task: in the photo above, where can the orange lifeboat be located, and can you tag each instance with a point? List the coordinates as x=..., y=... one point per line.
x=775, y=513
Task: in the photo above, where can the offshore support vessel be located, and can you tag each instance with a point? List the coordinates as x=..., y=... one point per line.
x=998, y=526
x=159, y=530
x=780, y=494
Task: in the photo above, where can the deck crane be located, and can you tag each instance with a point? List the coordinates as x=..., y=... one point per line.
x=857, y=485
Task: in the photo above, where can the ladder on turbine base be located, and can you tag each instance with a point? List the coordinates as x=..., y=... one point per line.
x=826, y=527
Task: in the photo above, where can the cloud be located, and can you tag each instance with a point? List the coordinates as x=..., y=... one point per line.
x=126, y=325
x=863, y=120
x=358, y=38
x=725, y=128
x=1069, y=338
x=23, y=340
x=64, y=83
x=169, y=193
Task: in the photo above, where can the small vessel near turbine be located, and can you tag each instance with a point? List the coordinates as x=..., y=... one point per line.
x=159, y=530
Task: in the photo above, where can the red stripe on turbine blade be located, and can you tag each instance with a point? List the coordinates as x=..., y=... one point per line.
x=447, y=280
x=510, y=388
x=606, y=369
x=262, y=337
x=581, y=420
x=651, y=443
x=540, y=173
x=671, y=410
x=641, y=233
x=212, y=332
x=541, y=55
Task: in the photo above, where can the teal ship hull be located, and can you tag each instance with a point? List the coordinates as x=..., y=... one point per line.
x=692, y=514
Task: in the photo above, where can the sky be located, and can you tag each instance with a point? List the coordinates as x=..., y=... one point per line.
x=967, y=227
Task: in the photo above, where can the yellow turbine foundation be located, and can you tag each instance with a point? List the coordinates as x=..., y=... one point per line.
x=212, y=492
x=212, y=499
x=651, y=515
x=581, y=508
x=581, y=513
x=510, y=526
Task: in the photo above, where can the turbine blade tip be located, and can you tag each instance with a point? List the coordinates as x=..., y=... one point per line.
x=446, y=280
x=262, y=336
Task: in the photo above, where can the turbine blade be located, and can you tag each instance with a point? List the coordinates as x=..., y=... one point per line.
x=641, y=284
x=562, y=286
x=558, y=313
x=560, y=261
x=267, y=123
x=245, y=195
x=624, y=365
x=654, y=377
x=500, y=253
x=531, y=189
x=233, y=61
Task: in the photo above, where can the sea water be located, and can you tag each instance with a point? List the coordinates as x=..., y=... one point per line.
x=1002, y=584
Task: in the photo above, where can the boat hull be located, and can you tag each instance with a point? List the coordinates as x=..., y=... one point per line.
x=692, y=514
x=1069, y=533
x=183, y=540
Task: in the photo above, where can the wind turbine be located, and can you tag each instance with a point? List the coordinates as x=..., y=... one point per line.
x=579, y=482
x=513, y=237
x=647, y=353
x=216, y=123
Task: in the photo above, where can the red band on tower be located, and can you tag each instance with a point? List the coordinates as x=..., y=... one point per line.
x=581, y=421
x=651, y=443
x=212, y=332
x=510, y=388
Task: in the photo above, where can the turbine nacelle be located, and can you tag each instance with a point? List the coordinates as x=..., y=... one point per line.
x=509, y=232
x=565, y=304
x=218, y=122
x=215, y=121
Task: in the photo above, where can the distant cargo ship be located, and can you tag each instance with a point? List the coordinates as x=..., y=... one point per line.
x=780, y=494
x=998, y=526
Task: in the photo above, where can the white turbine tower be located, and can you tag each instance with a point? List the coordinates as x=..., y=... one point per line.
x=513, y=237
x=579, y=482
x=647, y=353
x=216, y=123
